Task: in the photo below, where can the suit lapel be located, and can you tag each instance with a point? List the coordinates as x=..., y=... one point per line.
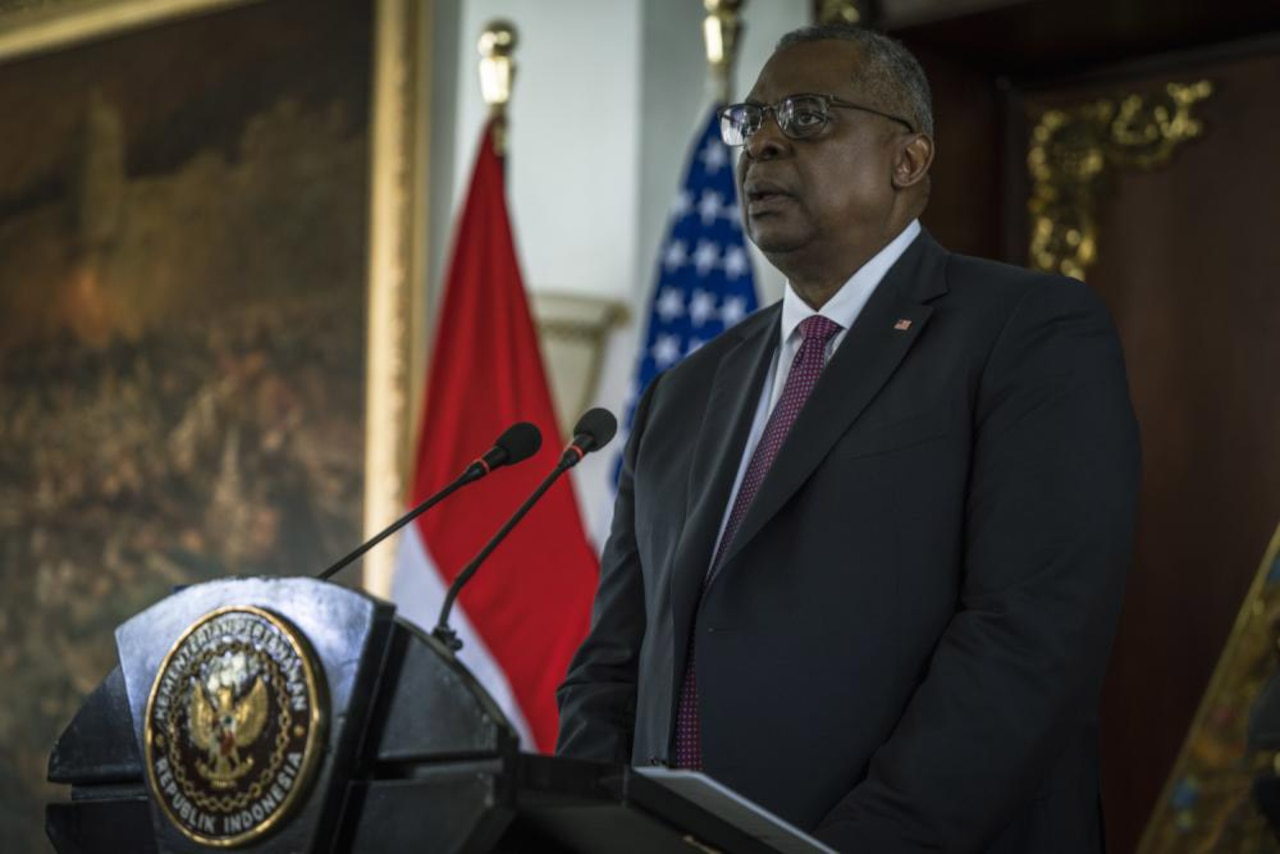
x=730, y=408
x=881, y=337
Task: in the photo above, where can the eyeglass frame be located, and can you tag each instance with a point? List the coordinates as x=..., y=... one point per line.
x=828, y=101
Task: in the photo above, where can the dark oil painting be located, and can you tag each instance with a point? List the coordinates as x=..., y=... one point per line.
x=183, y=242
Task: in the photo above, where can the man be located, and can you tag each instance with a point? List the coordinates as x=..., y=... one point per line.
x=865, y=568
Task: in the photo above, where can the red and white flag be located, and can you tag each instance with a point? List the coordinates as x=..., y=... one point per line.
x=524, y=613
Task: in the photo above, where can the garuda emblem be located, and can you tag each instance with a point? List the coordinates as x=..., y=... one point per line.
x=225, y=725
x=234, y=726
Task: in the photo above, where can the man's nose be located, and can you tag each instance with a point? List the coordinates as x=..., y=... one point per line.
x=768, y=141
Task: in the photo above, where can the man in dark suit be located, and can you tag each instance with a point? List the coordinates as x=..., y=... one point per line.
x=869, y=545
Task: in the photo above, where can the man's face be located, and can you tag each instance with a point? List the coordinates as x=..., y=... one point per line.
x=827, y=198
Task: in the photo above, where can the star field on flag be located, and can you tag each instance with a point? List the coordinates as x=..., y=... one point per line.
x=704, y=279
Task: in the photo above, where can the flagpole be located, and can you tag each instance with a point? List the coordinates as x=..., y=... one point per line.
x=721, y=32
x=497, y=76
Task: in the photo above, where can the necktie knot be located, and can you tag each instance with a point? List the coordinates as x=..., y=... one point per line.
x=818, y=327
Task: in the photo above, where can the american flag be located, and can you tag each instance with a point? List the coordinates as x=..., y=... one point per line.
x=704, y=279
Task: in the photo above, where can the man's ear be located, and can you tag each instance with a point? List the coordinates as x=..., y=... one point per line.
x=914, y=158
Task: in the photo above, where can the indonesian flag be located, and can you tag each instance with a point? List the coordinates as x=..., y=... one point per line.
x=524, y=613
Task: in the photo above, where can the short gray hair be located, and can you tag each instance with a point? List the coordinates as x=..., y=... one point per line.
x=891, y=73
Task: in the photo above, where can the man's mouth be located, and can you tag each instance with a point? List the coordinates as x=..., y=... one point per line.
x=763, y=196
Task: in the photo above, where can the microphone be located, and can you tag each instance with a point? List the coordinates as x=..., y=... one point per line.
x=594, y=430
x=517, y=443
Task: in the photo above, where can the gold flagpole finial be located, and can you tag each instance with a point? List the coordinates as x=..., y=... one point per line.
x=498, y=74
x=860, y=13
x=721, y=30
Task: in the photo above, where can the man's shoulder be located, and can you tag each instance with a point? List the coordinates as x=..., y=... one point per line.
x=1001, y=286
x=987, y=275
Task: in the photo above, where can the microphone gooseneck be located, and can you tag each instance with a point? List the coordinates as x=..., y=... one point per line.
x=593, y=431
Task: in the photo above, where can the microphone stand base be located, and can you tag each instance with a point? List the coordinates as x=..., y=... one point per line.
x=448, y=637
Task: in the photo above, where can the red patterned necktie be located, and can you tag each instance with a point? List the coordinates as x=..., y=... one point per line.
x=815, y=331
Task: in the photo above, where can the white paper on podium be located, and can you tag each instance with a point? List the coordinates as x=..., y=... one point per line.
x=749, y=817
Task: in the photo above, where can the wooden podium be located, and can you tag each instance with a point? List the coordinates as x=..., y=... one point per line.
x=296, y=715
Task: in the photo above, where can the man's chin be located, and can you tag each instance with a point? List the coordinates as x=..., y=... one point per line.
x=772, y=238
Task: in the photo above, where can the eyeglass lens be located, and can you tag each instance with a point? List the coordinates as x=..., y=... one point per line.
x=797, y=116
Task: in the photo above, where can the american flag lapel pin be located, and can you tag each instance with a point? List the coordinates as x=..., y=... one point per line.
x=902, y=325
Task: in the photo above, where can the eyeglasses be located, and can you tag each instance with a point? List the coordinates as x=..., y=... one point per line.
x=798, y=116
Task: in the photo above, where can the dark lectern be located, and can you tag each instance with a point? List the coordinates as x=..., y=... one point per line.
x=295, y=715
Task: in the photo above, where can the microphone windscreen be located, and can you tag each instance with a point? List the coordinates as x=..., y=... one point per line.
x=599, y=424
x=520, y=441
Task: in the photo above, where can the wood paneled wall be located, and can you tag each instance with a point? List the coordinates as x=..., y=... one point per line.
x=1190, y=268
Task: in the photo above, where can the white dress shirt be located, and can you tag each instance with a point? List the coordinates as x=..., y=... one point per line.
x=843, y=308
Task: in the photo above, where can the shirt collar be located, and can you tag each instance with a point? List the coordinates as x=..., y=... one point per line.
x=845, y=306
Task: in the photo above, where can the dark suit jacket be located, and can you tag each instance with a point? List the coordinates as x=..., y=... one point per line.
x=904, y=648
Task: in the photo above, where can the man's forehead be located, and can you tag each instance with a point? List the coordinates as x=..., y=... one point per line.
x=829, y=66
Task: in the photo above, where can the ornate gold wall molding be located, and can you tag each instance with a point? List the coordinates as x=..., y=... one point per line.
x=1074, y=150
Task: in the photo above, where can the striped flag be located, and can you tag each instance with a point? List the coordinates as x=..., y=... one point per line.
x=523, y=615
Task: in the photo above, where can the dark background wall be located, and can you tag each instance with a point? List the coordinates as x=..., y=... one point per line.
x=1188, y=265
